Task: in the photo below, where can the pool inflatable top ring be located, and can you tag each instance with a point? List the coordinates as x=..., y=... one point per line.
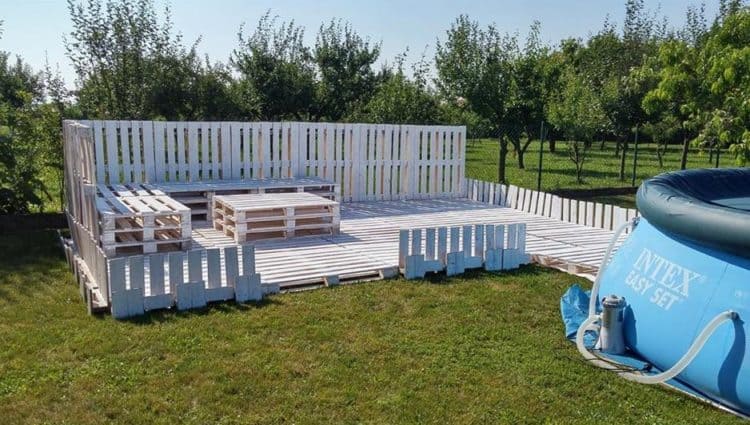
x=707, y=206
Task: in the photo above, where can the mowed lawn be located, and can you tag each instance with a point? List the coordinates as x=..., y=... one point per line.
x=600, y=170
x=483, y=348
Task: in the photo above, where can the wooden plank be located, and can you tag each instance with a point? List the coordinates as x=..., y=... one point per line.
x=430, y=243
x=171, y=148
x=125, y=159
x=147, y=131
x=194, y=163
x=113, y=153
x=160, y=167
x=182, y=166
x=235, y=131
x=288, y=149
x=247, y=147
x=226, y=150
x=231, y=265
x=265, y=150
x=214, y=130
x=97, y=128
x=248, y=260
x=137, y=149
x=387, y=161
x=440, y=176
x=156, y=271
x=213, y=265
x=176, y=270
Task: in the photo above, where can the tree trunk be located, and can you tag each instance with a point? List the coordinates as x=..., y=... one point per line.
x=601, y=147
x=521, y=165
x=660, y=157
x=552, y=145
x=501, y=160
x=623, y=157
x=718, y=152
x=618, y=145
x=683, y=159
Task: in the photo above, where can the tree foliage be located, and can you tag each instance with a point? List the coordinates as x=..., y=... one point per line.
x=476, y=64
x=276, y=72
x=346, y=78
x=26, y=137
x=576, y=112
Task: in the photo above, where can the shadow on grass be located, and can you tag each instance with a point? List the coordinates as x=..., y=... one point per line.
x=22, y=249
x=480, y=274
x=224, y=307
x=30, y=263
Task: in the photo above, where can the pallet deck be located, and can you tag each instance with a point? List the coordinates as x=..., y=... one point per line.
x=367, y=245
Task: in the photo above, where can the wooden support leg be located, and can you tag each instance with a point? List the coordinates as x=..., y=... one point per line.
x=248, y=288
x=455, y=263
x=413, y=268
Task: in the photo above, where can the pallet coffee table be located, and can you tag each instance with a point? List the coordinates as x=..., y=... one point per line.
x=275, y=215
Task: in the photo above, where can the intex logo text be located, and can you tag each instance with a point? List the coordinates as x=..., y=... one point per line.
x=668, y=281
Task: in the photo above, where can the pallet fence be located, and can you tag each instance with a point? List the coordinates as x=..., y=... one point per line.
x=591, y=214
x=455, y=249
x=184, y=280
x=369, y=161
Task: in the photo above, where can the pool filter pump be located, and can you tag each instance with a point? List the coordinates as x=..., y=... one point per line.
x=611, y=335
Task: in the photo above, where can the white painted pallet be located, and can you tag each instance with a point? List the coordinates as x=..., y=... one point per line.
x=591, y=214
x=199, y=195
x=275, y=215
x=184, y=280
x=458, y=248
x=135, y=219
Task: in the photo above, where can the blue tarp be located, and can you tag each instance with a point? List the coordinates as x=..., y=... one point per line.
x=574, y=308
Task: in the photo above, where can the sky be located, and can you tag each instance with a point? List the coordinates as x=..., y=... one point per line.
x=34, y=29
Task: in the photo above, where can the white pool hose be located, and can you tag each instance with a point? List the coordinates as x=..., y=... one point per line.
x=593, y=320
x=605, y=262
x=695, y=348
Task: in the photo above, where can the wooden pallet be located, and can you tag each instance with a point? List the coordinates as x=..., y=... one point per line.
x=275, y=215
x=134, y=219
x=198, y=196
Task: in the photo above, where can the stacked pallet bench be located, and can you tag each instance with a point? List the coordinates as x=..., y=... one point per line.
x=275, y=215
x=198, y=195
x=135, y=219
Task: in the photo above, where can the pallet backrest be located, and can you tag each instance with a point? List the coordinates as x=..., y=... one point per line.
x=369, y=161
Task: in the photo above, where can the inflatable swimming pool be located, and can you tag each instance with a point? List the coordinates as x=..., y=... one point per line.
x=684, y=272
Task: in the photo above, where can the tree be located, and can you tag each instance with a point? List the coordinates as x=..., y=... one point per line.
x=23, y=138
x=128, y=62
x=577, y=113
x=725, y=62
x=475, y=64
x=344, y=63
x=607, y=58
x=276, y=72
x=528, y=92
x=679, y=91
x=402, y=100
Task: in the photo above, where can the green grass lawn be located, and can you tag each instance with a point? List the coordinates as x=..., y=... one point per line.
x=600, y=170
x=483, y=348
